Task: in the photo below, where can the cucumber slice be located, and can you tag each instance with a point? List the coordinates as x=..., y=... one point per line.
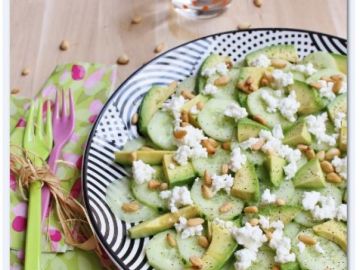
x=134, y=144
x=334, y=257
x=187, y=84
x=152, y=101
x=160, y=130
x=119, y=193
x=289, y=193
x=150, y=197
x=189, y=247
x=228, y=91
x=327, y=72
x=214, y=123
x=210, y=207
x=291, y=230
x=160, y=255
x=305, y=218
x=212, y=164
x=257, y=107
x=264, y=259
x=339, y=104
x=320, y=60
x=341, y=61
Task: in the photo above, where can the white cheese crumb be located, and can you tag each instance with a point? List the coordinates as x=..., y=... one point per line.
x=249, y=143
x=222, y=69
x=271, y=101
x=267, y=197
x=224, y=224
x=182, y=154
x=244, y=258
x=340, y=165
x=301, y=246
x=308, y=69
x=142, y=172
x=186, y=230
x=208, y=72
x=319, y=249
x=326, y=90
x=264, y=222
x=174, y=105
x=177, y=197
x=219, y=182
x=210, y=89
x=316, y=125
x=261, y=61
x=235, y=111
x=282, y=79
x=342, y=212
x=321, y=207
x=289, y=106
x=251, y=237
x=237, y=159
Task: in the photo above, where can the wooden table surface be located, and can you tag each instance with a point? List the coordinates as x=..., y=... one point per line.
x=101, y=30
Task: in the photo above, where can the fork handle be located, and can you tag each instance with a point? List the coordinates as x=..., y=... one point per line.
x=33, y=231
x=45, y=202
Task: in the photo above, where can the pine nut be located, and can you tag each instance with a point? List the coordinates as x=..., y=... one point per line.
x=254, y=221
x=336, y=77
x=316, y=85
x=275, y=267
x=213, y=142
x=333, y=178
x=278, y=63
x=258, y=3
x=326, y=78
x=134, y=119
x=326, y=166
x=331, y=153
x=337, y=86
x=187, y=94
x=320, y=155
x=257, y=146
x=163, y=186
x=206, y=192
x=209, y=147
x=307, y=240
x=180, y=133
x=196, y=262
x=243, y=25
x=224, y=169
x=302, y=147
x=223, y=80
x=25, y=72
x=136, y=19
x=160, y=47
x=185, y=116
x=133, y=156
x=123, y=60
x=15, y=91
x=310, y=153
x=153, y=184
x=264, y=81
x=226, y=145
x=172, y=85
x=184, y=124
x=200, y=105
x=259, y=119
x=64, y=45
x=170, y=240
x=203, y=241
x=207, y=179
x=280, y=202
x=226, y=207
x=130, y=207
x=268, y=235
x=251, y=209
x=195, y=221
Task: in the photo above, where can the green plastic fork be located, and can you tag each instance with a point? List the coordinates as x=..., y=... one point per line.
x=38, y=143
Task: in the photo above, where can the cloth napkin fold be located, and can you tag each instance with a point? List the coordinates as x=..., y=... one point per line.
x=91, y=85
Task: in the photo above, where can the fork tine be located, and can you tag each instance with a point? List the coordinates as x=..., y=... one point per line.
x=39, y=123
x=56, y=106
x=29, y=129
x=63, y=103
x=71, y=105
x=48, y=127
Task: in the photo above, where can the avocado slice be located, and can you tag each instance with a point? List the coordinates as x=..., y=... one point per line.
x=321, y=60
x=285, y=213
x=162, y=223
x=275, y=165
x=334, y=231
x=308, y=97
x=339, y=104
x=152, y=101
x=310, y=175
x=152, y=157
x=242, y=98
x=343, y=136
x=248, y=128
x=297, y=134
x=188, y=105
x=221, y=248
x=246, y=183
x=327, y=72
x=290, y=266
x=255, y=73
x=180, y=174
x=284, y=52
x=341, y=62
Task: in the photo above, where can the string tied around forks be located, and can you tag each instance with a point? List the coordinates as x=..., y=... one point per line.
x=72, y=215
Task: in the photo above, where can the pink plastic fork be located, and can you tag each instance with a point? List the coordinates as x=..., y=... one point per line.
x=63, y=125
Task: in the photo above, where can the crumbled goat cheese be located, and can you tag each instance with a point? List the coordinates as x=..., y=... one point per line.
x=249, y=143
x=271, y=101
x=308, y=69
x=177, y=197
x=237, y=159
x=194, y=110
x=321, y=207
x=186, y=230
x=182, y=154
x=219, y=182
x=174, y=105
x=282, y=79
x=264, y=222
x=342, y=212
x=193, y=136
x=301, y=246
x=244, y=258
x=326, y=90
x=319, y=249
x=235, y=111
x=261, y=61
x=142, y=172
x=208, y=72
x=267, y=197
x=316, y=125
x=339, y=117
x=340, y=165
x=220, y=68
x=224, y=224
x=251, y=237
x=289, y=106
x=210, y=89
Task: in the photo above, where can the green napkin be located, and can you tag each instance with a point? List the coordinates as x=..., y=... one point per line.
x=91, y=85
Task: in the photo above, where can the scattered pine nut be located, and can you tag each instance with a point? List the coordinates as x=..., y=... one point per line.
x=307, y=240
x=134, y=119
x=337, y=86
x=336, y=77
x=184, y=124
x=209, y=147
x=264, y=81
x=170, y=240
x=200, y=105
x=243, y=25
x=203, y=241
x=226, y=207
x=223, y=80
x=153, y=184
x=133, y=156
x=15, y=91
x=275, y=267
x=195, y=221
x=315, y=85
x=25, y=72
x=310, y=153
x=302, y=147
x=180, y=133
x=268, y=235
x=160, y=47
x=187, y=94
x=196, y=262
x=257, y=146
x=331, y=153
x=326, y=166
x=251, y=209
x=258, y=3
x=333, y=177
x=136, y=19
x=226, y=145
x=206, y=192
x=64, y=45
x=278, y=63
x=207, y=179
x=320, y=155
x=280, y=202
x=254, y=221
x=123, y=59
x=163, y=186
x=185, y=116
x=224, y=169
x=259, y=119
x=130, y=207
x=213, y=142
